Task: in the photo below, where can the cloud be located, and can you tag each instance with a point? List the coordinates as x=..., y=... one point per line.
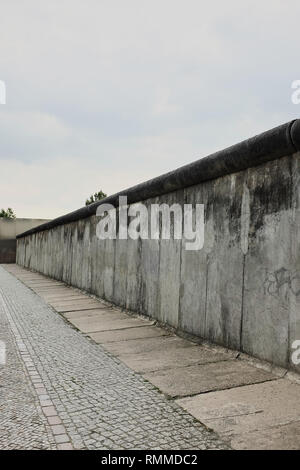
x=51, y=188
x=105, y=94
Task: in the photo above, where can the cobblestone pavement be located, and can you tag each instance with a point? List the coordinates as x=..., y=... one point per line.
x=23, y=425
x=74, y=394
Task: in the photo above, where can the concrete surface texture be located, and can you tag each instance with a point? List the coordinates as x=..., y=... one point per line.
x=241, y=290
x=249, y=406
x=9, y=229
x=261, y=416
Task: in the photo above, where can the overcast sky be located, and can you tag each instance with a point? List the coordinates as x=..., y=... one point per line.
x=104, y=94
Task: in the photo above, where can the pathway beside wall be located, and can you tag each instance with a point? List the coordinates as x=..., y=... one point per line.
x=240, y=290
x=95, y=373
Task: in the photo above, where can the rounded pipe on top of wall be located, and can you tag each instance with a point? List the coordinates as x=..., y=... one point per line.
x=278, y=142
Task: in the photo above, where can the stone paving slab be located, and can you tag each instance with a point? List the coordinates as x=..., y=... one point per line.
x=87, y=326
x=147, y=345
x=207, y=377
x=64, y=296
x=87, y=317
x=41, y=282
x=75, y=306
x=127, y=334
x=65, y=299
x=44, y=281
x=68, y=291
x=43, y=288
x=74, y=300
x=281, y=437
x=60, y=292
x=27, y=275
x=53, y=289
x=95, y=313
x=46, y=290
x=265, y=415
x=100, y=402
x=179, y=357
x=21, y=272
x=94, y=317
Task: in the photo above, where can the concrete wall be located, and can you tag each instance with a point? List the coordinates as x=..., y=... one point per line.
x=242, y=290
x=9, y=229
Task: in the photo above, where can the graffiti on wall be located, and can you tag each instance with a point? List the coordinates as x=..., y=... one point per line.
x=281, y=279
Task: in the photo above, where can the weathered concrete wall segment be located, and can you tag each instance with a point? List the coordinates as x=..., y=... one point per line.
x=275, y=143
x=242, y=290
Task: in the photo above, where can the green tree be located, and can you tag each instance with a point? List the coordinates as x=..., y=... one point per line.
x=9, y=214
x=95, y=197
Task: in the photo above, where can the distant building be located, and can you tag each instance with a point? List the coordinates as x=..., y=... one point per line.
x=9, y=229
